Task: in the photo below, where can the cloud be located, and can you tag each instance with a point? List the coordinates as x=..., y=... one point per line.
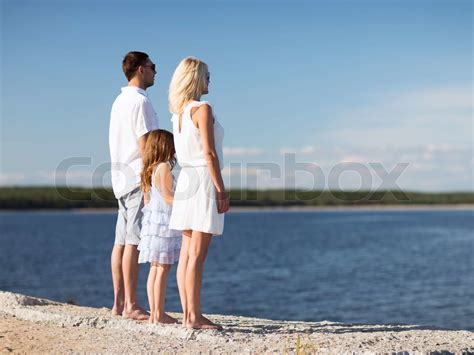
x=431, y=167
x=55, y=178
x=62, y=175
x=433, y=116
x=352, y=158
x=445, y=166
x=242, y=151
x=243, y=169
x=12, y=178
x=435, y=99
x=306, y=150
x=253, y=175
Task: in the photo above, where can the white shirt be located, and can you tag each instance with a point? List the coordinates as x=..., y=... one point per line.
x=131, y=117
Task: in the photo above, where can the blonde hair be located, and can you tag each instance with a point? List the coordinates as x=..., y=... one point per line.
x=188, y=83
x=159, y=148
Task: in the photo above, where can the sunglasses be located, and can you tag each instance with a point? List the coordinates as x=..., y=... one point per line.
x=152, y=66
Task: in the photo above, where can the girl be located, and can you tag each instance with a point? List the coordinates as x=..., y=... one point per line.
x=201, y=200
x=158, y=245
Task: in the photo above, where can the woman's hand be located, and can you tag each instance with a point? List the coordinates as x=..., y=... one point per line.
x=223, y=202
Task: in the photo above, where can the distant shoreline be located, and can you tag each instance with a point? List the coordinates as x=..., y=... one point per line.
x=357, y=208
x=240, y=209
x=62, y=198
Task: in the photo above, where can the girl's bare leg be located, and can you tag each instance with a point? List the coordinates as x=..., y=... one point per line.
x=181, y=272
x=160, y=295
x=150, y=292
x=197, y=255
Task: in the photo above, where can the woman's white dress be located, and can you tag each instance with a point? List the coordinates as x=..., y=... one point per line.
x=158, y=243
x=195, y=205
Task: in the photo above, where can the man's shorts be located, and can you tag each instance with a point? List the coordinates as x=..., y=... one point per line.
x=129, y=219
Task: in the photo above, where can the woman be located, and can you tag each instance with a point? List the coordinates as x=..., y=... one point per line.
x=200, y=199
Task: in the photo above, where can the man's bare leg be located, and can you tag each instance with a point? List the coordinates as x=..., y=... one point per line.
x=117, y=279
x=181, y=272
x=130, y=279
x=197, y=255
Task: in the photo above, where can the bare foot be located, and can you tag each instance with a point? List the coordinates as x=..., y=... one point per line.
x=165, y=319
x=136, y=314
x=202, y=323
x=117, y=310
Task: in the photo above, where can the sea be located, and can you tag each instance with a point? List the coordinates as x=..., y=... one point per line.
x=400, y=266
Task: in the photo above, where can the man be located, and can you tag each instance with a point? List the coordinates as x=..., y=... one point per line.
x=131, y=118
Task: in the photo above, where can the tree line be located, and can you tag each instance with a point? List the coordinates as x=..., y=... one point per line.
x=69, y=197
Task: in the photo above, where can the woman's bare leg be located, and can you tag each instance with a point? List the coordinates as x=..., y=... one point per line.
x=160, y=295
x=197, y=256
x=150, y=292
x=181, y=272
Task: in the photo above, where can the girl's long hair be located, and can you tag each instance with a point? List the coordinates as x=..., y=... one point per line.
x=159, y=148
x=188, y=83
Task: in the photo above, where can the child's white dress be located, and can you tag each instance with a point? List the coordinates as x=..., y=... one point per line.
x=158, y=243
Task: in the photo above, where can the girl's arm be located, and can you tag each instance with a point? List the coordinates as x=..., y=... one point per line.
x=164, y=179
x=205, y=123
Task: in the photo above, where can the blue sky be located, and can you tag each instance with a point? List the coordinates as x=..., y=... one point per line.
x=328, y=82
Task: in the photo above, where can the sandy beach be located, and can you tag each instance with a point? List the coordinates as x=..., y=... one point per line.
x=33, y=325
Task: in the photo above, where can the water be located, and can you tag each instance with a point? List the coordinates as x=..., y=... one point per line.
x=376, y=267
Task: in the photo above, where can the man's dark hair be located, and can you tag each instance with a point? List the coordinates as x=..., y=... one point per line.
x=131, y=62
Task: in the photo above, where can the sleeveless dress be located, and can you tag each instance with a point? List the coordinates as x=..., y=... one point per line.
x=158, y=243
x=195, y=205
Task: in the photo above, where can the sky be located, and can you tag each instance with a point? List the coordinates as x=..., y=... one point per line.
x=312, y=94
